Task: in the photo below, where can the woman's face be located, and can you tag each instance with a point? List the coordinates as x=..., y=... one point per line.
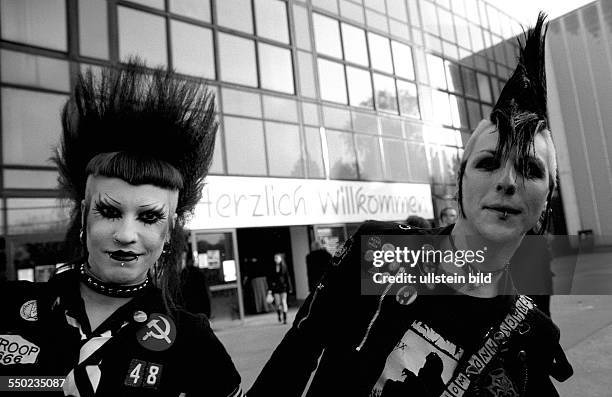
x=127, y=225
x=500, y=203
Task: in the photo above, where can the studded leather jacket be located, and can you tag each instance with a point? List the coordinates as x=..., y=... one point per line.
x=345, y=338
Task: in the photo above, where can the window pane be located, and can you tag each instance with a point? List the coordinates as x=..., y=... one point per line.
x=417, y=162
x=402, y=59
x=476, y=35
x=29, y=215
x=463, y=32
x=386, y=98
x=271, y=20
x=244, y=145
x=441, y=106
x=284, y=152
x=396, y=164
x=329, y=5
x=315, y=154
x=216, y=167
x=355, y=48
x=413, y=131
x=452, y=76
x=483, y=88
x=397, y=9
x=197, y=9
x=341, y=150
x=360, y=87
x=307, y=80
x=469, y=82
x=35, y=71
x=275, y=68
x=192, y=50
x=29, y=179
x=302, y=28
x=232, y=48
x=430, y=20
x=473, y=113
x=380, y=53
x=377, y=21
x=409, y=103
x=311, y=113
x=368, y=157
x=437, y=75
x=351, y=11
x=327, y=36
x=276, y=108
x=30, y=125
x=31, y=21
x=336, y=118
x=391, y=126
x=378, y=5
x=366, y=123
x=460, y=118
x=241, y=103
x=142, y=34
x=93, y=29
x=399, y=29
x=446, y=25
x=235, y=14
x=331, y=81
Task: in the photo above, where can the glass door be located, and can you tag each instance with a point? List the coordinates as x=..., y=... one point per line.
x=215, y=253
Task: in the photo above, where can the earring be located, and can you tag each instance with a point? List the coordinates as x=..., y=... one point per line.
x=166, y=250
x=81, y=236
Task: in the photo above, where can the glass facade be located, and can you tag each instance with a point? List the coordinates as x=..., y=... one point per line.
x=374, y=90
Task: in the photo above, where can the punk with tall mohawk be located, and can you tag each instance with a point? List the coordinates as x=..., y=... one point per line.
x=520, y=113
x=135, y=148
x=479, y=337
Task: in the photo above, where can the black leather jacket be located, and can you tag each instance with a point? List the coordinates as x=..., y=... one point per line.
x=345, y=337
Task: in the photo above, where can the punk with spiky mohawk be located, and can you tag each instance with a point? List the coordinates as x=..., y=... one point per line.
x=520, y=112
x=143, y=126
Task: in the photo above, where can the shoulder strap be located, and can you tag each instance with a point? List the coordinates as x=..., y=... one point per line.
x=493, y=341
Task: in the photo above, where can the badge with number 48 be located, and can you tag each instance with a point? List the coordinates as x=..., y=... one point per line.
x=143, y=374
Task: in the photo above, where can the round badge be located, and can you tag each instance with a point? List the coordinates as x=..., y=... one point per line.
x=388, y=247
x=369, y=256
x=374, y=242
x=29, y=311
x=404, y=227
x=140, y=316
x=158, y=334
x=406, y=295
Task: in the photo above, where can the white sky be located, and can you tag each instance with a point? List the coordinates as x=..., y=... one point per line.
x=527, y=10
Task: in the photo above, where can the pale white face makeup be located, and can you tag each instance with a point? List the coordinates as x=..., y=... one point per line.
x=499, y=202
x=126, y=224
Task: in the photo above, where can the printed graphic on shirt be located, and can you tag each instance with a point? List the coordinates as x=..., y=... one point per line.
x=158, y=334
x=16, y=350
x=423, y=362
x=29, y=311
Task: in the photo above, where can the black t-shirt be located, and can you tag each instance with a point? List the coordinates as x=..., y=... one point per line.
x=443, y=330
x=140, y=350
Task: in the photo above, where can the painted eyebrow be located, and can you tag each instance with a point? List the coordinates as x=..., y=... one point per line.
x=153, y=206
x=107, y=197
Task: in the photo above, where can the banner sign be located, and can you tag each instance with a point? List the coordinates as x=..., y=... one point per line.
x=232, y=202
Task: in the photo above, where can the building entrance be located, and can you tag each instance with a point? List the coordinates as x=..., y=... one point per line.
x=257, y=247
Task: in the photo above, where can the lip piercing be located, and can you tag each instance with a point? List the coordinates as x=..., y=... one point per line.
x=122, y=264
x=505, y=214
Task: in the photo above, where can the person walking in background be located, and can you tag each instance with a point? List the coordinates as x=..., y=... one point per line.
x=318, y=261
x=448, y=216
x=279, y=283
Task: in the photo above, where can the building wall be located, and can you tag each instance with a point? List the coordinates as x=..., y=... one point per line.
x=365, y=90
x=582, y=83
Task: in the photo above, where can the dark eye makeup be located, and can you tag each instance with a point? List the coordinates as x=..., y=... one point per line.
x=530, y=166
x=147, y=216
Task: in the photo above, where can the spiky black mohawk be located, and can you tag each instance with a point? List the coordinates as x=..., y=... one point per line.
x=147, y=116
x=520, y=112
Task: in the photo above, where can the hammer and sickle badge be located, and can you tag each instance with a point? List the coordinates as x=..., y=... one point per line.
x=158, y=334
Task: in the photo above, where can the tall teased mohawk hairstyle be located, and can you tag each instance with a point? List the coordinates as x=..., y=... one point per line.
x=147, y=116
x=520, y=112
